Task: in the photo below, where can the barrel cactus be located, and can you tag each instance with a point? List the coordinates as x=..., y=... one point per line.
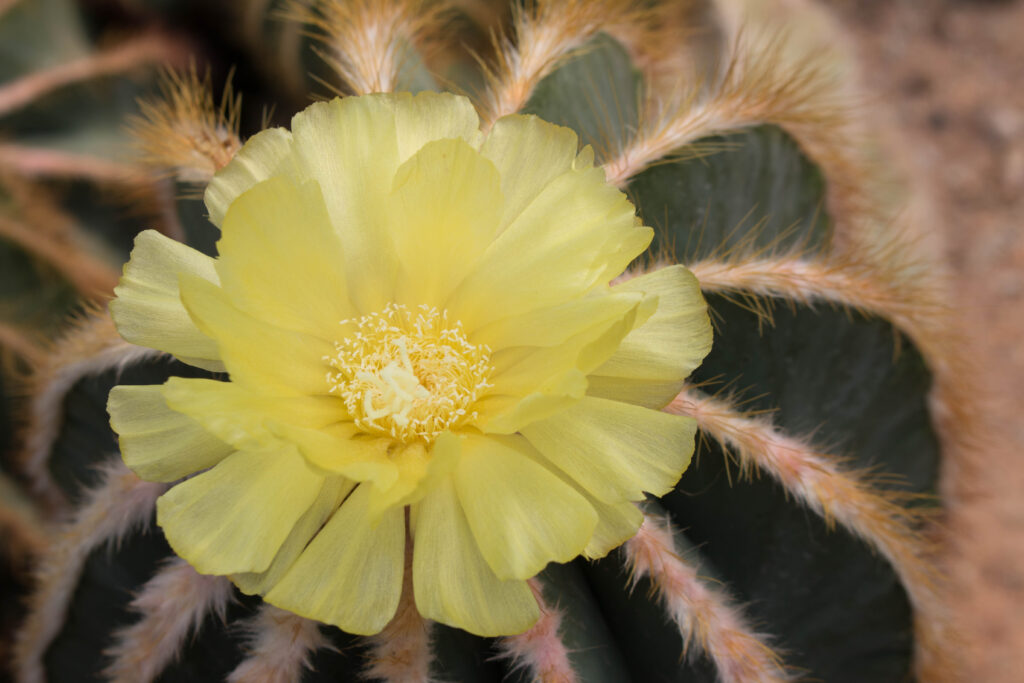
x=799, y=543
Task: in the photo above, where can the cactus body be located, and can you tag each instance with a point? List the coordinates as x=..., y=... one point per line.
x=770, y=542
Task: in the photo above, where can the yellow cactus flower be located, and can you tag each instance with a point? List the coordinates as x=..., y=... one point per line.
x=425, y=354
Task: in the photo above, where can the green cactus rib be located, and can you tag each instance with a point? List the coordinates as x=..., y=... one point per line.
x=728, y=569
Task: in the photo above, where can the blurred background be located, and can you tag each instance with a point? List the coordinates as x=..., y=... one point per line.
x=943, y=83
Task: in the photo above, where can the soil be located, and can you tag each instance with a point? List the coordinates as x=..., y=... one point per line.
x=949, y=76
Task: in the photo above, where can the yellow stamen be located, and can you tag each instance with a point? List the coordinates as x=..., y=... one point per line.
x=409, y=373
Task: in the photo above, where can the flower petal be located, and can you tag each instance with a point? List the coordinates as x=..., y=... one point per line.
x=452, y=582
x=554, y=325
x=444, y=211
x=418, y=473
x=148, y=309
x=234, y=517
x=237, y=415
x=157, y=443
x=257, y=355
x=332, y=493
x=529, y=153
x=522, y=516
x=669, y=346
x=350, y=575
x=264, y=155
x=281, y=261
x=578, y=233
x=342, y=449
x=616, y=522
x=616, y=451
x=428, y=116
x=549, y=379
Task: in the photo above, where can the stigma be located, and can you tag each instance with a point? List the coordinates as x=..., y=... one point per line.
x=408, y=372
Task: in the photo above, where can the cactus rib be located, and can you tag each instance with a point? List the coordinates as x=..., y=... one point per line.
x=540, y=651
x=172, y=606
x=91, y=347
x=368, y=43
x=702, y=614
x=151, y=48
x=817, y=480
x=121, y=503
x=542, y=35
x=280, y=646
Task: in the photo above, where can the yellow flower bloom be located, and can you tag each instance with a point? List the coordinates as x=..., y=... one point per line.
x=413, y=316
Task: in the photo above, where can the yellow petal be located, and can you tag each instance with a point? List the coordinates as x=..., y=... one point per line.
x=444, y=211
x=452, y=582
x=148, y=309
x=281, y=261
x=238, y=416
x=578, y=233
x=264, y=155
x=669, y=346
x=616, y=522
x=419, y=471
x=554, y=325
x=553, y=377
x=350, y=575
x=522, y=516
x=234, y=517
x=529, y=153
x=428, y=116
x=257, y=355
x=157, y=443
x=327, y=502
x=342, y=449
x=616, y=451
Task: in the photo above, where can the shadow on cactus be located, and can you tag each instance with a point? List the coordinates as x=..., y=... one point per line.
x=422, y=405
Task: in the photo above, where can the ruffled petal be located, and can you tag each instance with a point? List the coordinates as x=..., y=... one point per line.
x=616, y=522
x=157, y=443
x=653, y=360
x=238, y=416
x=452, y=582
x=281, y=261
x=148, y=309
x=529, y=153
x=267, y=154
x=332, y=493
x=428, y=116
x=578, y=233
x=234, y=517
x=555, y=325
x=261, y=357
x=350, y=575
x=522, y=516
x=444, y=211
x=616, y=451
x=551, y=378
x=343, y=449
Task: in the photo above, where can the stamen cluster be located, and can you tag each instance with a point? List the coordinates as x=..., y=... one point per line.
x=408, y=373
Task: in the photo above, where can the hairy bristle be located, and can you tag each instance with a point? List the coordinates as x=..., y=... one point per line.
x=183, y=132
x=119, y=504
x=91, y=347
x=703, y=614
x=755, y=87
x=131, y=55
x=279, y=647
x=368, y=43
x=544, y=33
x=878, y=516
x=172, y=607
x=539, y=651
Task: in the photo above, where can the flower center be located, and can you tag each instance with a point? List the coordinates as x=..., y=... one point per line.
x=408, y=373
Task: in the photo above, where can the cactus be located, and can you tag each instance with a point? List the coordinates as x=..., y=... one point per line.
x=799, y=544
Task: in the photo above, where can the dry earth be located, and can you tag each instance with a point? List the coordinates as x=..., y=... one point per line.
x=949, y=78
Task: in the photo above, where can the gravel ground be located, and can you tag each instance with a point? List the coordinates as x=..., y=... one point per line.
x=949, y=77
